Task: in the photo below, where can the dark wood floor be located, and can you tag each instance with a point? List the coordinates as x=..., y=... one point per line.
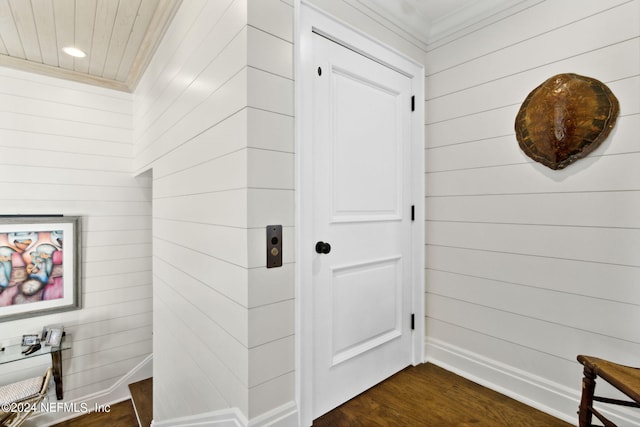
x=419, y=396
x=429, y=396
x=120, y=415
x=142, y=396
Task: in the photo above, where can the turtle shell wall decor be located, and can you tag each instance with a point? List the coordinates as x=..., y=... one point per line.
x=565, y=118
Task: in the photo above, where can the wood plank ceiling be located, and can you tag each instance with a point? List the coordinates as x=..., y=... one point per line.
x=118, y=36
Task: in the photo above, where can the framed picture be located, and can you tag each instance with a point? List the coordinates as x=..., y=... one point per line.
x=39, y=265
x=30, y=340
x=54, y=336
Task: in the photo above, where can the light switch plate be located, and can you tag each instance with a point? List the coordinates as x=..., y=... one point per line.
x=274, y=246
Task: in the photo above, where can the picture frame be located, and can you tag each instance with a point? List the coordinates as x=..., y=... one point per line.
x=30, y=339
x=54, y=336
x=40, y=262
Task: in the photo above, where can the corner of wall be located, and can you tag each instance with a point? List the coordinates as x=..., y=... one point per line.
x=540, y=393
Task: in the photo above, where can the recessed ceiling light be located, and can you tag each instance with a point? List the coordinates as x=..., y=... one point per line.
x=74, y=51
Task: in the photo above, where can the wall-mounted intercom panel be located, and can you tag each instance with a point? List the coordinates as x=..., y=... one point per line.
x=274, y=246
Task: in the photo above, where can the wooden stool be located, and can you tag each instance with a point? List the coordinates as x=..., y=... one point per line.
x=22, y=398
x=624, y=378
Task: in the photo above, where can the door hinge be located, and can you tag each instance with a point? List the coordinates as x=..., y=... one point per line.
x=413, y=321
x=413, y=103
x=413, y=212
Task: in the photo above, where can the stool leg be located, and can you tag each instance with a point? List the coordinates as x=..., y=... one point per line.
x=586, y=400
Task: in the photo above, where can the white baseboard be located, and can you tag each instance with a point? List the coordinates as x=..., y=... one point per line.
x=231, y=417
x=283, y=416
x=118, y=392
x=547, y=396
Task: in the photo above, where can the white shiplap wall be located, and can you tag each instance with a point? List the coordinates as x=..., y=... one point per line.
x=528, y=267
x=213, y=119
x=189, y=121
x=270, y=196
x=65, y=148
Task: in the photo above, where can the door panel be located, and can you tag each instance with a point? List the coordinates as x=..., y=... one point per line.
x=361, y=206
x=376, y=285
x=377, y=181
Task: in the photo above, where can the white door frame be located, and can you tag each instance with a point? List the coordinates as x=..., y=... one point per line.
x=308, y=19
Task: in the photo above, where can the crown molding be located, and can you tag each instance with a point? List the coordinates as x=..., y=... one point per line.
x=411, y=17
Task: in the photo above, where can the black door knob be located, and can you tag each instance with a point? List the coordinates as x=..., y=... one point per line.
x=323, y=248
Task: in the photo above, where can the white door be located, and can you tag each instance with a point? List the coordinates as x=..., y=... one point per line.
x=362, y=209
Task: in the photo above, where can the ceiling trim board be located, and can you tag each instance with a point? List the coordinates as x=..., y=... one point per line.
x=160, y=21
x=48, y=70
